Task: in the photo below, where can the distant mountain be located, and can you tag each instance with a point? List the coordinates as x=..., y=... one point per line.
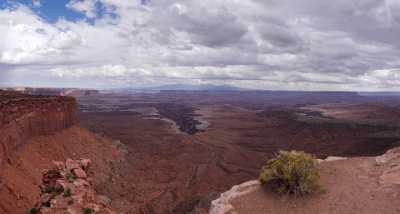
x=189, y=87
x=381, y=93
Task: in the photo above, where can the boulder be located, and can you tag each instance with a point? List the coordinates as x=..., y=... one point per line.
x=45, y=198
x=79, y=173
x=103, y=199
x=85, y=163
x=59, y=165
x=390, y=155
x=65, y=195
x=72, y=164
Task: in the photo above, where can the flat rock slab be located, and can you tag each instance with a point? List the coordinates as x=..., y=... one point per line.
x=390, y=177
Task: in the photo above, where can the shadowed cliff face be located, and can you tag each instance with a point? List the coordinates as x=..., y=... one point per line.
x=24, y=116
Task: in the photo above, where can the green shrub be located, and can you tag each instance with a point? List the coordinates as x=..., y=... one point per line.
x=48, y=189
x=291, y=172
x=87, y=211
x=67, y=192
x=70, y=177
x=33, y=211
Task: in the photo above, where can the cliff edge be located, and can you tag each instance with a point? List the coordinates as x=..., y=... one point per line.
x=367, y=185
x=24, y=116
x=34, y=132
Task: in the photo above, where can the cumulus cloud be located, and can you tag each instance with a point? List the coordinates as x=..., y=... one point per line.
x=88, y=7
x=26, y=38
x=267, y=44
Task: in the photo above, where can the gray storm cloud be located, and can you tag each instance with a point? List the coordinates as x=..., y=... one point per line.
x=266, y=44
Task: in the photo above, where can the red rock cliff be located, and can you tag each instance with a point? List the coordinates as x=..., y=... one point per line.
x=24, y=116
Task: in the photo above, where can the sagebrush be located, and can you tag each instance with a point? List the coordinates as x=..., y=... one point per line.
x=292, y=172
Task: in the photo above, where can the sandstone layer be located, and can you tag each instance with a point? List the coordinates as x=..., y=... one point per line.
x=24, y=116
x=34, y=132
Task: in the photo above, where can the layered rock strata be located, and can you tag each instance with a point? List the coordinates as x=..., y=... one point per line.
x=24, y=116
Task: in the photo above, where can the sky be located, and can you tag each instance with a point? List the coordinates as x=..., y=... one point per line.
x=346, y=45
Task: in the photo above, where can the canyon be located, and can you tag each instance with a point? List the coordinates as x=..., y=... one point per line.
x=176, y=151
x=179, y=171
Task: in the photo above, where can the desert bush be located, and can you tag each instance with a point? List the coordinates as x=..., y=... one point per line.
x=33, y=211
x=87, y=211
x=70, y=177
x=291, y=172
x=67, y=192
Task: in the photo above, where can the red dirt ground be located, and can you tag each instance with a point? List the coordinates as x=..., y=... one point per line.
x=352, y=186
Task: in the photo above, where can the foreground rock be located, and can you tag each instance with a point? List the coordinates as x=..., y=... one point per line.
x=365, y=185
x=223, y=204
x=66, y=189
x=390, y=176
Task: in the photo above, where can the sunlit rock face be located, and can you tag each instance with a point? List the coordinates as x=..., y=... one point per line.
x=25, y=116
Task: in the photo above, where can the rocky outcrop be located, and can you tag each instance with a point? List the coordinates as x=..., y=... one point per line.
x=391, y=176
x=223, y=205
x=66, y=188
x=25, y=116
x=371, y=181
x=34, y=130
x=22, y=172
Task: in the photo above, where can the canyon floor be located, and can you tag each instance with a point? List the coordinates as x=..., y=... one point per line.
x=185, y=148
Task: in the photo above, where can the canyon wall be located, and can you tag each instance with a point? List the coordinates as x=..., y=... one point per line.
x=25, y=116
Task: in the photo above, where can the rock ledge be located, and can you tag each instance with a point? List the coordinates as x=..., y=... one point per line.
x=66, y=188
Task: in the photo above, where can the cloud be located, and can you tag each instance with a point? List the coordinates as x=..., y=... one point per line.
x=36, y=3
x=212, y=28
x=269, y=44
x=26, y=38
x=87, y=7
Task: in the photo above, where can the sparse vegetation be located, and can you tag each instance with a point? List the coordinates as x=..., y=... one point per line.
x=291, y=172
x=87, y=211
x=70, y=177
x=67, y=192
x=52, y=190
x=33, y=211
x=48, y=189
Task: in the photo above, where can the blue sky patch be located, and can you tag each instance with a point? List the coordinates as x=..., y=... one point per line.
x=53, y=10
